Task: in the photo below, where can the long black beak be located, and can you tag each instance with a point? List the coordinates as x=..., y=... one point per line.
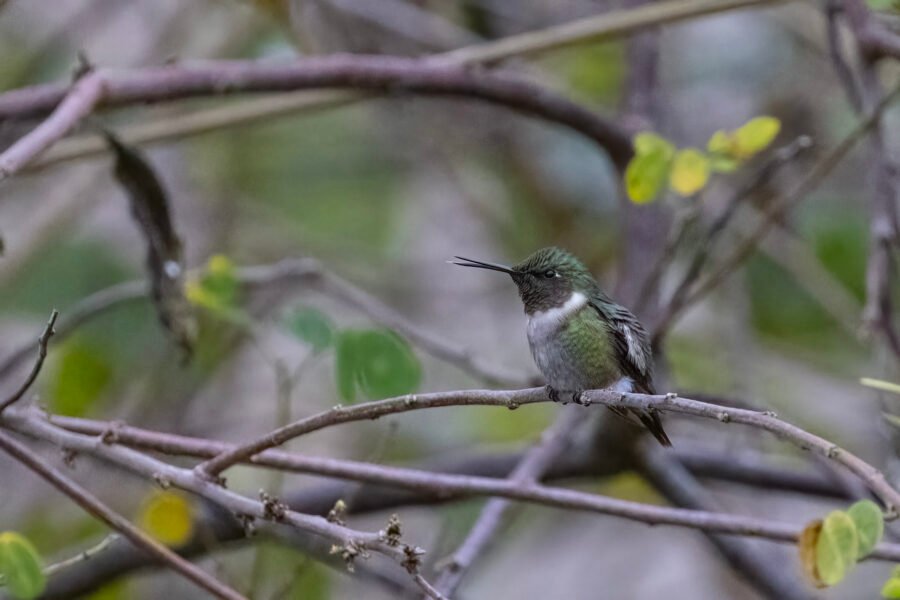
x=468, y=262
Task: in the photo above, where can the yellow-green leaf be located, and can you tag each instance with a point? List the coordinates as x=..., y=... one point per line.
x=647, y=142
x=20, y=565
x=837, y=547
x=880, y=384
x=646, y=175
x=721, y=142
x=807, y=544
x=722, y=164
x=216, y=288
x=869, y=523
x=690, y=171
x=755, y=135
x=168, y=517
x=891, y=589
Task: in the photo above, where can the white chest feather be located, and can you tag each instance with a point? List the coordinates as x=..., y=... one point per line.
x=545, y=323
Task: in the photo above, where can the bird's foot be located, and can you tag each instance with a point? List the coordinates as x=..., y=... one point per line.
x=552, y=393
x=580, y=399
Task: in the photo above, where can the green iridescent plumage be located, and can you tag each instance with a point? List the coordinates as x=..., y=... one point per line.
x=579, y=337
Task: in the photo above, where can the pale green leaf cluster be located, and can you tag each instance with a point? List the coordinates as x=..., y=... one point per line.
x=829, y=549
x=658, y=164
x=20, y=566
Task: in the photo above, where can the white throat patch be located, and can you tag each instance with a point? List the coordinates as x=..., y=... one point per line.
x=544, y=322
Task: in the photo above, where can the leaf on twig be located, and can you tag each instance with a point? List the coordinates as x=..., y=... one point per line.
x=690, y=171
x=20, y=565
x=647, y=173
x=165, y=264
x=312, y=327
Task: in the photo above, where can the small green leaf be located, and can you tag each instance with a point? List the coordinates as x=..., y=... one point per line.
x=20, y=565
x=880, y=384
x=377, y=362
x=82, y=373
x=891, y=589
x=647, y=142
x=869, y=523
x=646, y=175
x=313, y=327
x=690, y=172
x=755, y=135
x=837, y=547
x=345, y=364
x=388, y=366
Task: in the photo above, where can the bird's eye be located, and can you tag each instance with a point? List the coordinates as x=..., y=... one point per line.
x=549, y=273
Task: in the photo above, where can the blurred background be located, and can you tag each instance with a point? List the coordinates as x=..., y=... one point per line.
x=382, y=193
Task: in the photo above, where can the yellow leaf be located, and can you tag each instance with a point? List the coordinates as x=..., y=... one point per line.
x=755, y=135
x=809, y=539
x=690, y=172
x=168, y=517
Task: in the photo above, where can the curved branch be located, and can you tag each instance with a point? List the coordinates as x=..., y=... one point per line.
x=767, y=421
x=355, y=72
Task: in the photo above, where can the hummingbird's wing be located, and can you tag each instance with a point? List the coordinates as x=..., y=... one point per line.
x=635, y=358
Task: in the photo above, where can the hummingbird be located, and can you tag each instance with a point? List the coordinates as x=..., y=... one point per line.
x=580, y=338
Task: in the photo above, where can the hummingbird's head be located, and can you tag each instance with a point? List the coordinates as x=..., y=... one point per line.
x=546, y=279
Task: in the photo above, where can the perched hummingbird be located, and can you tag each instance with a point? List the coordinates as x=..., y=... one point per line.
x=579, y=338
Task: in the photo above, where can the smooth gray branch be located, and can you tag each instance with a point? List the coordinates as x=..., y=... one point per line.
x=42, y=343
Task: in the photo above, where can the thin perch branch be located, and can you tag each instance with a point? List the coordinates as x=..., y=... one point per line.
x=93, y=506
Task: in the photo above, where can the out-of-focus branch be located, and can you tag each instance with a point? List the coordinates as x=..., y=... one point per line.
x=767, y=421
x=883, y=220
x=354, y=72
x=535, y=463
x=352, y=543
x=77, y=103
x=95, y=507
x=305, y=272
x=764, y=570
x=42, y=343
x=608, y=26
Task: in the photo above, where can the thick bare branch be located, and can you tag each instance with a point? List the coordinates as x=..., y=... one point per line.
x=95, y=507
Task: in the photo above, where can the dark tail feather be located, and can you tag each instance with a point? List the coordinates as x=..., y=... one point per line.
x=653, y=423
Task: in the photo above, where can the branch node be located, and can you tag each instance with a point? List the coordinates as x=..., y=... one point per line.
x=671, y=396
x=162, y=481
x=273, y=508
x=391, y=535
x=110, y=435
x=412, y=558
x=68, y=457
x=832, y=451
x=410, y=400
x=248, y=524
x=349, y=552
x=337, y=513
x=724, y=417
